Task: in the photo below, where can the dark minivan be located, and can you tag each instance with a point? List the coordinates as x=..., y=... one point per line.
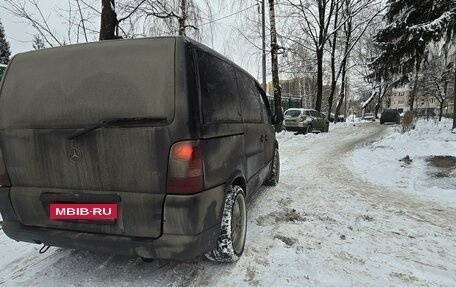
x=146, y=147
x=390, y=116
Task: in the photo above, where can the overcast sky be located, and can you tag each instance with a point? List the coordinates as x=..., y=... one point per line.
x=225, y=35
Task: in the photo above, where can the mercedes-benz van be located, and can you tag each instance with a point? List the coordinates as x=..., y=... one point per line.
x=146, y=147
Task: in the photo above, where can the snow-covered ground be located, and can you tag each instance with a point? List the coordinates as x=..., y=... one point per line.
x=383, y=162
x=321, y=226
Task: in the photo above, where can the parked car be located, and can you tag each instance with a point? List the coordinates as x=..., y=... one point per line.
x=369, y=117
x=305, y=120
x=390, y=116
x=151, y=155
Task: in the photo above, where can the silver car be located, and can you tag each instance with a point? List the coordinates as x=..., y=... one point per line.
x=305, y=121
x=369, y=117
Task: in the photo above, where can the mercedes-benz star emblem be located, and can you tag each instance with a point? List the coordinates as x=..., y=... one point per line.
x=75, y=154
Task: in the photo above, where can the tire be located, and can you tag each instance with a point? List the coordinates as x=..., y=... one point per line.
x=381, y=122
x=274, y=175
x=309, y=129
x=231, y=241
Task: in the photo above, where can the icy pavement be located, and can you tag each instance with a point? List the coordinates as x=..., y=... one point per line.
x=321, y=226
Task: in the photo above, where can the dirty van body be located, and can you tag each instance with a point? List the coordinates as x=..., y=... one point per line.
x=168, y=131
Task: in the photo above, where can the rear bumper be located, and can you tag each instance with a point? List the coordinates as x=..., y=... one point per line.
x=390, y=120
x=295, y=129
x=190, y=227
x=168, y=246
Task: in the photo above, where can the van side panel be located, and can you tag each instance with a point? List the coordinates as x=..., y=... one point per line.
x=223, y=156
x=231, y=122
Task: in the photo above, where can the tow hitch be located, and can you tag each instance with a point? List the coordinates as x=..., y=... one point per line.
x=44, y=248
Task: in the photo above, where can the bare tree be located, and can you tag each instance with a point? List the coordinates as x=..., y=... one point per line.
x=30, y=11
x=434, y=80
x=109, y=21
x=378, y=85
x=116, y=19
x=314, y=20
x=38, y=43
x=356, y=18
x=274, y=64
x=166, y=17
x=333, y=43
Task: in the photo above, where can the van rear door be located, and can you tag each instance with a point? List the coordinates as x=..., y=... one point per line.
x=88, y=123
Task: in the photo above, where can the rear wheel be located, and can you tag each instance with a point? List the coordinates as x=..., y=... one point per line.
x=273, y=178
x=231, y=241
x=309, y=128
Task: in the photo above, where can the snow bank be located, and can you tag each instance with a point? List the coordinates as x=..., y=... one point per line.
x=383, y=163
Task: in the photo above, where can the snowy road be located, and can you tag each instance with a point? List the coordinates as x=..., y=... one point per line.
x=320, y=226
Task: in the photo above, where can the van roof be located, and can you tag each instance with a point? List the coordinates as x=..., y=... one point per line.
x=177, y=38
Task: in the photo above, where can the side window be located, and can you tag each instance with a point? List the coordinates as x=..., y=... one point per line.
x=307, y=113
x=313, y=114
x=250, y=100
x=220, y=103
x=264, y=107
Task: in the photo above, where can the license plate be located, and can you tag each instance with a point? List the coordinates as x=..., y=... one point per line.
x=83, y=211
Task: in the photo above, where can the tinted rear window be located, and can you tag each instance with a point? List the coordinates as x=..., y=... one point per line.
x=81, y=85
x=292, y=113
x=220, y=102
x=390, y=111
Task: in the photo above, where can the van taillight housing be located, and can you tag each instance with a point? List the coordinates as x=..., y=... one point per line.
x=185, y=168
x=4, y=177
x=302, y=118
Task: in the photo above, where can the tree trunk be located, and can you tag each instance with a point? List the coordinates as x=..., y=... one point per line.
x=319, y=79
x=263, y=44
x=441, y=110
x=348, y=33
x=342, y=92
x=415, y=89
x=108, y=20
x=333, y=63
x=183, y=17
x=454, y=97
x=275, y=65
x=378, y=105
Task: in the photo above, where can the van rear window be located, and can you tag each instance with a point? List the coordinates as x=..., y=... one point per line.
x=81, y=85
x=219, y=91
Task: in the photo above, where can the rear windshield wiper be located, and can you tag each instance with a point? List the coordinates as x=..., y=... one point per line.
x=114, y=122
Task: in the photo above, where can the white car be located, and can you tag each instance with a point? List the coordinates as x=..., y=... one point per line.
x=369, y=117
x=305, y=121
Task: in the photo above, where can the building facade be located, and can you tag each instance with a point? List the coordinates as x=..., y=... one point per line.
x=424, y=105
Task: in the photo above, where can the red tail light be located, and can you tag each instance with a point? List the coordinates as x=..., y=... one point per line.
x=4, y=177
x=185, y=168
x=302, y=118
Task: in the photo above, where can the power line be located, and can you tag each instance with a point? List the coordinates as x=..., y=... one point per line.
x=227, y=16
